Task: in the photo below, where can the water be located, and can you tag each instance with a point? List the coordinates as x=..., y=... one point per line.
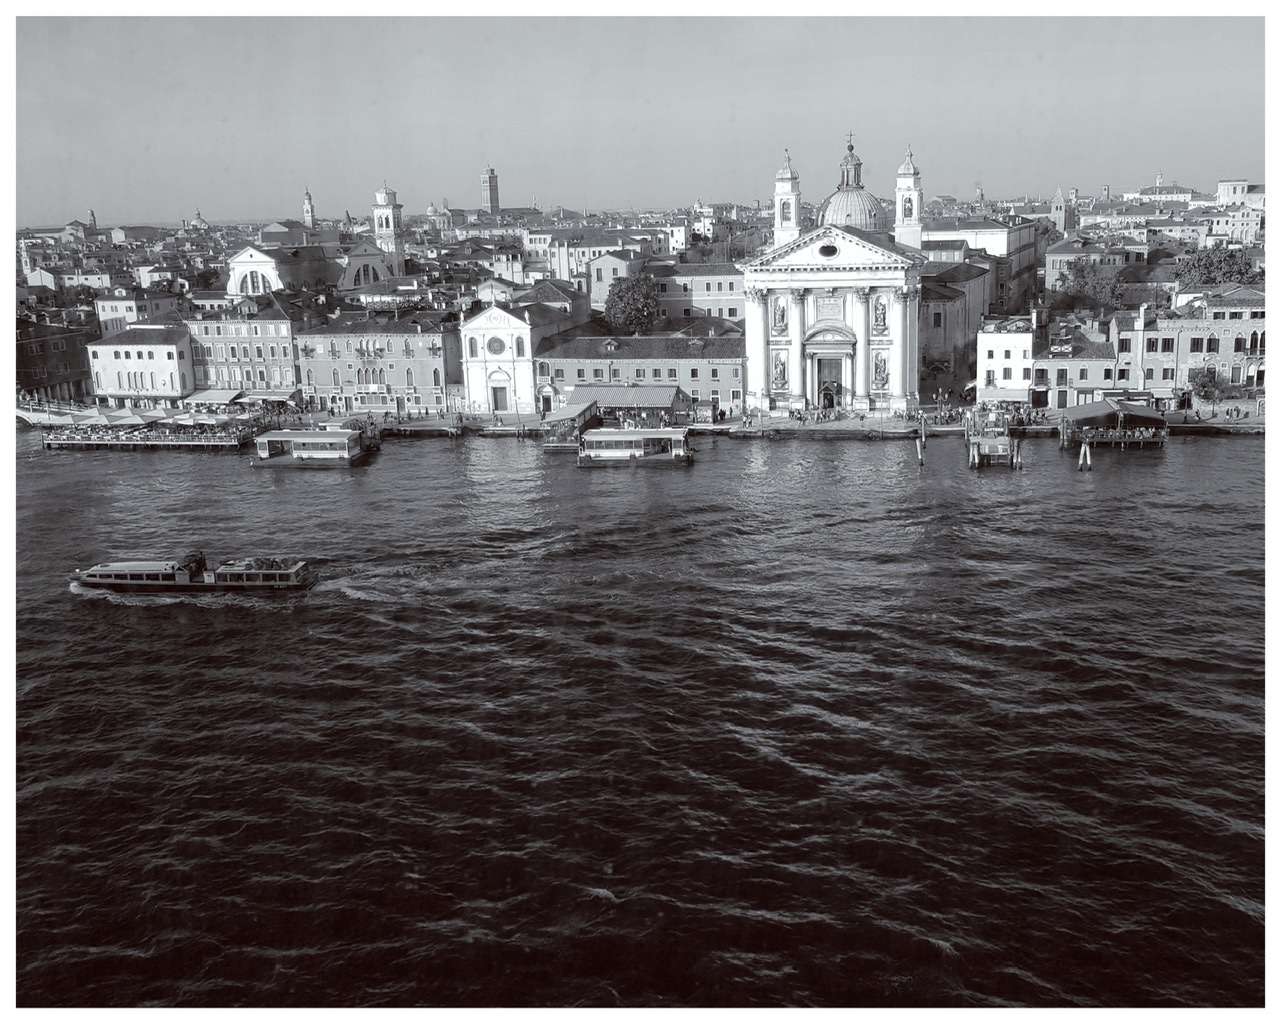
x=805, y=723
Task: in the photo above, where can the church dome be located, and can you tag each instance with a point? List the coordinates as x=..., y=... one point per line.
x=432, y=211
x=851, y=205
x=786, y=172
x=200, y=224
x=908, y=165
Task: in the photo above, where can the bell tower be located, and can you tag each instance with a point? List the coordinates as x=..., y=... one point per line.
x=308, y=212
x=489, y=191
x=786, y=203
x=909, y=205
x=386, y=227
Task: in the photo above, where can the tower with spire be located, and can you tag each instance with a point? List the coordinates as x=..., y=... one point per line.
x=308, y=211
x=786, y=203
x=909, y=206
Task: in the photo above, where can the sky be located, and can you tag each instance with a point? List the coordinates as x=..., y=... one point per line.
x=146, y=120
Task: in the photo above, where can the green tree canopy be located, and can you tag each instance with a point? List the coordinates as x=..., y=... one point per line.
x=1217, y=265
x=1089, y=284
x=632, y=304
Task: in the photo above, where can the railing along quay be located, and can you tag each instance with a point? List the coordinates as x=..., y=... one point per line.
x=145, y=440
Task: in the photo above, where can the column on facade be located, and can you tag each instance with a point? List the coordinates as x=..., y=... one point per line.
x=898, y=362
x=910, y=337
x=795, y=331
x=755, y=389
x=862, y=355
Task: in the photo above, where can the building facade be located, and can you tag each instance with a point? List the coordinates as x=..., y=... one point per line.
x=143, y=364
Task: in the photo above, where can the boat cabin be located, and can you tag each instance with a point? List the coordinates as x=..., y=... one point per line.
x=621, y=445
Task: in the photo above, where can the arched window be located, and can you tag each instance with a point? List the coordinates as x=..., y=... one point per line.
x=544, y=370
x=471, y=347
x=519, y=346
x=375, y=274
x=382, y=376
x=97, y=380
x=435, y=378
x=153, y=380
x=348, y=348
x=359, y=376
x=336, y=381
x=408, y=376
x=184, y=379
x=310, y=379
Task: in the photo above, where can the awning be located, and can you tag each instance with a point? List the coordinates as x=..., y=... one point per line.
x=211, y=397
x=257, y=397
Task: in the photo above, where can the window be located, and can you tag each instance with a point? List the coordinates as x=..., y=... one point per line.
x=1062, y=377
x=639, y=373
x=1151, y=344
x=615, y=373
x=662, y=286
x=233, y=352
x=1239, y=343
x=991, y=353
x=152, y=355
x=937, y=319
x=126, y=355
x=472, y=348
x=656, y=373
x=1235, y=375
x=582, y=373
x=1236, y=314
x=1007, y=373
x=1106, y=373
x=1219, y=315
x=733, y=312
x=719, y=286
x=686, y=311
x=615, y=271
x=1167, y=373
x=1083, y=374
x=1124, y=345
x=597, y=373
x=695, y=394
x=1123, y=373
x=1006, y=353
x=1212, y=346
x=599, y=274
x=559, y=373
x=708, y=286
x=255, y=331
x=715, y=373
x=671, y=373
x=1026, y=373
x=1149, y=373
x=1197, y=344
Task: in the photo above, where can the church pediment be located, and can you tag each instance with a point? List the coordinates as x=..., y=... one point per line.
x=493, y=317
x=831, y=248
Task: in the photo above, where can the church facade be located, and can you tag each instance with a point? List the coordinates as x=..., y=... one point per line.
x=833, y=313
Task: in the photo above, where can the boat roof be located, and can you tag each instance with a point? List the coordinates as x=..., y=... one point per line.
x=660, y=432
x=166, y=566
x=305, y=435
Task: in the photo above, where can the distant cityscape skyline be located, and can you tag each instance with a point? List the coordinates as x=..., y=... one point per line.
x=611, y=113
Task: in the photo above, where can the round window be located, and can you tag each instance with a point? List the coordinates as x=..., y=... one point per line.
x=497, y=346
x=827, y=250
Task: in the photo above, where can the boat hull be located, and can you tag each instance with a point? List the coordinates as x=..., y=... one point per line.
x=122, y=587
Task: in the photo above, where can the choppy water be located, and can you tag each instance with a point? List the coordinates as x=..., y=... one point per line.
x=802, y=724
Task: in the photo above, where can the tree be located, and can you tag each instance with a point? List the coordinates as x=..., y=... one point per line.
x=1207, y=386
x=1090, y=284
x=632, y=304
x=1217, y=265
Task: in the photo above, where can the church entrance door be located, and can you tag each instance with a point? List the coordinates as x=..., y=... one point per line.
x=829, y=383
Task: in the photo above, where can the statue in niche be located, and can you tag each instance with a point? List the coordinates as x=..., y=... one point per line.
x=882, y=371
x=906, y=208
x=779, y=315
x=779, y=370
x=882, y=311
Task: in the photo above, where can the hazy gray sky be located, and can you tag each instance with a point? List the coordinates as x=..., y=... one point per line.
x=148, y=119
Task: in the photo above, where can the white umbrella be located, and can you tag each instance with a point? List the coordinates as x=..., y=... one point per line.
x=151, y=415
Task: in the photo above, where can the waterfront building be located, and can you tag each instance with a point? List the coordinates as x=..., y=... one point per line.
x=247, y=347
x=1012, y=238
x=52, y=361
x=143, y=364
x=382, y=363
x=832, y=316
x=1005, y=349
x=497, y=358
x=707, y=361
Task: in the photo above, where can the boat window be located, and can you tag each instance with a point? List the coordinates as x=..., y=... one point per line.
x=168, y=577
x=120, y=576
x=154, y=576
x=135, y=575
